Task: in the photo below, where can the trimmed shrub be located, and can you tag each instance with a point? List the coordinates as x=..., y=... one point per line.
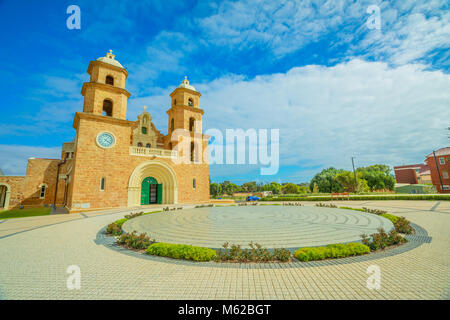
x=381, y=240
x=331, y=251
x=134, y=215
x=390, y=217
x=134, y=241
x=114, y=229
x=403, y=226
x=256, y=253
x=320, y=204
x=181, y=251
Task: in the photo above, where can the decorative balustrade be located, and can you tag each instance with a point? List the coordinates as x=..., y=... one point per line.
x=147, y=152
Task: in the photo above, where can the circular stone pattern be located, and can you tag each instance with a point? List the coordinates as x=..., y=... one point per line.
x=270, y=226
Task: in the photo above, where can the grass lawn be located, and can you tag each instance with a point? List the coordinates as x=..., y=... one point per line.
x=21, y=213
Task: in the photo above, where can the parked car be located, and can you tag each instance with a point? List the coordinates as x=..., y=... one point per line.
x=252, y=198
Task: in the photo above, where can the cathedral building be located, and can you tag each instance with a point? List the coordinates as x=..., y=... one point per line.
x=113, y=162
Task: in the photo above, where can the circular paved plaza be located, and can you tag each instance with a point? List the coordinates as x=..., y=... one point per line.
x=36, y=252
x=270, y=226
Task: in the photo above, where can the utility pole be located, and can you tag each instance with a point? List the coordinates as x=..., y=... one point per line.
x=437, y=168
x=354, y=173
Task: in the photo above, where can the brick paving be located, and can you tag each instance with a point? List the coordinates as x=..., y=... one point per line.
x=35, y=253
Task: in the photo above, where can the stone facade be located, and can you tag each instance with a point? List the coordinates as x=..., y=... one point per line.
x=93, y=175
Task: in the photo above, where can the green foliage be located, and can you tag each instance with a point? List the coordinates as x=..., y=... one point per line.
x=326, y=181
x=403, y=226
x=290, y=188
x=273, y=186
x=23, y=213
x=331, y=251
x=320, y=204
x=134, y=215
x=249, y=186
x=361, y=197
x=381, y=240
x=378, y=177
x=256, y=253
x=347, y=180
x=230, y=188
x=374, y=211
x=181, y=251
x=390, y=217
x=114, y=229
x=215, y=189
x=134, y=241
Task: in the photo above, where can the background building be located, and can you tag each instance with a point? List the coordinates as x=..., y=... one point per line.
x=439, y=163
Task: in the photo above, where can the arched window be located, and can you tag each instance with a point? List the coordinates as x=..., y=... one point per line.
x=102, y=184
x=139, y=144
x=194, y=183
x=190, y=102
x=192, y=151
x=107, y=108
x=109, y=80
x=175, y=102
x=172, y=124
x=148, y=145
x=191, y=124
x=170, y=145
x=144, y=130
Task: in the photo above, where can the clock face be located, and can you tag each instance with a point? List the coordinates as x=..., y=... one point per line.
x=105, y=140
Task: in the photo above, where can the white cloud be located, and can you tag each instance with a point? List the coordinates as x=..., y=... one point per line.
x=328, y=114
x=14, y=158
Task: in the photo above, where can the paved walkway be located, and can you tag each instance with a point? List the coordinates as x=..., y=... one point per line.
x=36, y=252
x=270, y=226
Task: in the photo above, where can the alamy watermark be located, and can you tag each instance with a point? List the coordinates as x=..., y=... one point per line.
x=231, y=149
x=374, y=20
x=74, y=20
x=73, y=282
x=374, y=280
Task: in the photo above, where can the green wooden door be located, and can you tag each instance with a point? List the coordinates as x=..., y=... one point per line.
x=145, y=189
x=159, y=194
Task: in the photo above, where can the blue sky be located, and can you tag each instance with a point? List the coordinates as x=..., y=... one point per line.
x=312, y=69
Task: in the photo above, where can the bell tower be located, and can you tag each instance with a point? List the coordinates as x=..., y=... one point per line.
x=185, y=112
x=105, y=93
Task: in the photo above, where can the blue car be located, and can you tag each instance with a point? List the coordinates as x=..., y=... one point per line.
x=252, y=198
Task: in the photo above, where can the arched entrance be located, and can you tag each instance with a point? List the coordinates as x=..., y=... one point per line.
x=162, y=174
x=5, y=193
x=151, y=191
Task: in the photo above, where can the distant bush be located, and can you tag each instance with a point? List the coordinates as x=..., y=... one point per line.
x=381, y=240
x=361, y=197
x=256, y=253
x=181, y=251
x=374, y=211
x=331, y=251
x=320, y=204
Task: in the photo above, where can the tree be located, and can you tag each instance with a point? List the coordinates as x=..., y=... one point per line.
x=290, y=188
x=347, y=181
x=229, y=188
x=378, y=177
x=250, y=186
x=273, y=186
x=215, y=189
x=326, y=180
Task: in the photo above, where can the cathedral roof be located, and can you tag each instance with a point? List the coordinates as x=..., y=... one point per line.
x=109, y=58
x=185, y=84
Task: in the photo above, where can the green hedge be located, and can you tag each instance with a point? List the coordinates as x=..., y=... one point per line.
x=181, y=251
x=331, y=251
x=383, y=197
